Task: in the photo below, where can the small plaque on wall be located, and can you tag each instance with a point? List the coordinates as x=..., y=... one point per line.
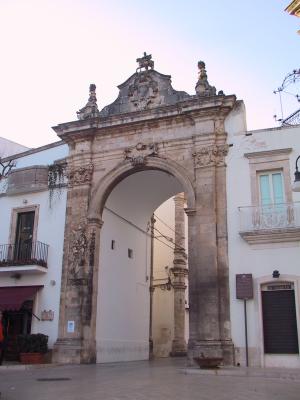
x=47, y=315
x=244, y=286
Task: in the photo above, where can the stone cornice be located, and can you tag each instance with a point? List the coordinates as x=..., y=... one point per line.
x=33, y=151
x=268, y=153
x=184, y=110
x=271, y=236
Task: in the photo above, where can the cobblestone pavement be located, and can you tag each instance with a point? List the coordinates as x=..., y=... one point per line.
x=161, y=379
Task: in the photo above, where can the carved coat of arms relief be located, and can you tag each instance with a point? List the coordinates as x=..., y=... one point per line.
x=144, y=91
x=138, y=155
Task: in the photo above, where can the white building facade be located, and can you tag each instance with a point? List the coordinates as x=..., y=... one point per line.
x=263, y=237
x=263, y=221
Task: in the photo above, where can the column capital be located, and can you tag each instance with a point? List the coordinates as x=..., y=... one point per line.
x=190, y=211
x=95, y=219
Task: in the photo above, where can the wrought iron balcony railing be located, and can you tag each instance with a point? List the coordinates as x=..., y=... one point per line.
x=270, y=217
x=30, y=253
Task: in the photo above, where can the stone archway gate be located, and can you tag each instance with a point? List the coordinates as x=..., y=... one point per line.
x=149, y=126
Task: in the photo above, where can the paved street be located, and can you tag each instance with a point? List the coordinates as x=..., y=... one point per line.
x=162, y=379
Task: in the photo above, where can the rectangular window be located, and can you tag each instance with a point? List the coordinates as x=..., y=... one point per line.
x=130, y=253
x=271, y=188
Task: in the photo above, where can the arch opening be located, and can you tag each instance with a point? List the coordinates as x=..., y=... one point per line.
x=124, y=304
x=124, y=170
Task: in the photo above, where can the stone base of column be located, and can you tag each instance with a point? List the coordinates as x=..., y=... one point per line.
x=228, y=352
x=179, y=348
x=74, y=351
x=211, y=349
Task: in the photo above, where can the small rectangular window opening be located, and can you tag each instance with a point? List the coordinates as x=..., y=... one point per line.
x=130, y=253
x=113, y=244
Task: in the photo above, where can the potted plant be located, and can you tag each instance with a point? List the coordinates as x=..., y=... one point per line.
x=32, y=348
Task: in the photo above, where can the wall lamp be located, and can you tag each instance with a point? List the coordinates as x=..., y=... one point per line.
x=296, y=185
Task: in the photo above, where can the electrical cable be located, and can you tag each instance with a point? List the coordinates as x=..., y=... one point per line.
x=172, y=248
x=167, y=225
x=169, y=239
x=138, y=228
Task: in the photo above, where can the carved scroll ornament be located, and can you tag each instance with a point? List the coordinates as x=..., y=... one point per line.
x=78, y=248
x=80, y=175
x=211, y=156
x=138, y=154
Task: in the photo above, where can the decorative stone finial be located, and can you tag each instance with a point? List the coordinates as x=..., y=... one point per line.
x=203, y=88
x=91, y=108
x=145, y=62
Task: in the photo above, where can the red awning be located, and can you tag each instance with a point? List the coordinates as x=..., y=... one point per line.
x=12, y=298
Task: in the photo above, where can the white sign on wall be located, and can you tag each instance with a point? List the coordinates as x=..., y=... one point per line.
x=71, y=327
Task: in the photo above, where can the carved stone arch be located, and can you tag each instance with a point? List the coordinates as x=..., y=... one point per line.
x=148, y=109
x=111, y=179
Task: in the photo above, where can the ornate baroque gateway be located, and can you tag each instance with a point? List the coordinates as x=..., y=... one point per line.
x=149, y=126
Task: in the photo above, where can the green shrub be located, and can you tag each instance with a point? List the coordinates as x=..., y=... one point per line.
x=33, y=343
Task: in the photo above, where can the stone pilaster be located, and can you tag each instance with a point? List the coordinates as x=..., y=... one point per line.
x=179, y=272
x=203, y=272
x=208, y=264
x=76, y=340
x=223, y=268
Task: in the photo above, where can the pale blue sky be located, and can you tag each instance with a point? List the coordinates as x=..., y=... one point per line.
x=52, y=50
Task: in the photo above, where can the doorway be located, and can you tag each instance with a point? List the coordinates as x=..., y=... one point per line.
x=24, y=234
x=279, y=319
x=16, y=322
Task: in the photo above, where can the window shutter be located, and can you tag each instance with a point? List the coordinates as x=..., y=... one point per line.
x=277, y=188
x=265, y=194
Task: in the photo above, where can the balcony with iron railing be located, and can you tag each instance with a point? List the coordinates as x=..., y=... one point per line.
x=270, y=223
x=25, y=257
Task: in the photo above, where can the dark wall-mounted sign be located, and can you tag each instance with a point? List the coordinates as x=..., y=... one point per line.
x=244, y=286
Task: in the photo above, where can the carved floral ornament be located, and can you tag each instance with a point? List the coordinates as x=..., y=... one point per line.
x=211, y=155
x=138, y=155
x=78, y=247
x=82, y=250
x=80, y=175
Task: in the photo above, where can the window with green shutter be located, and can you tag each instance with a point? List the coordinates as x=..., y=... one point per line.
x=271, y=188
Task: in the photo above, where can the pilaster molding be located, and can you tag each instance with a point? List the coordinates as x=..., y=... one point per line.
x=208, y=156
x=80, y=175
x=190, y=211
x=95, y=221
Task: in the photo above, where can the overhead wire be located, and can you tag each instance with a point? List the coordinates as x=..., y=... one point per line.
x=169, y=239
x=143, y=231
x=155, y=237
x=173, y=230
